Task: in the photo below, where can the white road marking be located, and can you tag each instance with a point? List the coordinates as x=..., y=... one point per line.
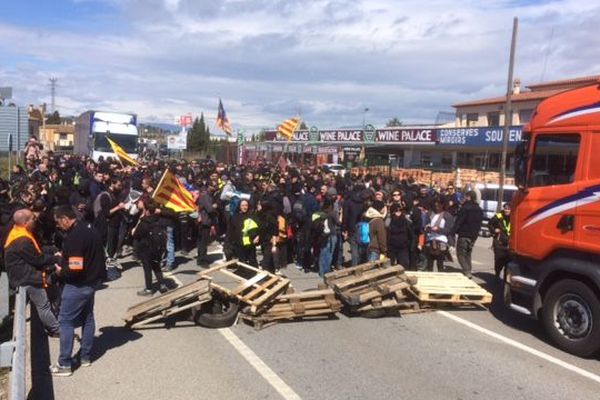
x=263, y=369
x=523, y=347
x=174, y=278
x=475, y=262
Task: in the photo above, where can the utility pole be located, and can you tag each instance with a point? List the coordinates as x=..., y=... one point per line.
x=53, y=94
x=507, y=114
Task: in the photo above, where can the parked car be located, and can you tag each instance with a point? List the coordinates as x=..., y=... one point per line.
x=337, y=169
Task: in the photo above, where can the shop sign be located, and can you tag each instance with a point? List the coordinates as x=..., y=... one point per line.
x=369, y=135
x=485, y=136
x=351, y=153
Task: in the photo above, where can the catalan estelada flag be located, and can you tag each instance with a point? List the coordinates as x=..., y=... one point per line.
x=288, y=127
x=222, y=120
x=171, y=193
x=122, y=154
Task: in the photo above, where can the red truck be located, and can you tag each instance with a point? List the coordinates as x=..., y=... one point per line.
x=554, y=275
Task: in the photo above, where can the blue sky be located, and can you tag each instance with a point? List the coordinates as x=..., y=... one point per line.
x=268, y=60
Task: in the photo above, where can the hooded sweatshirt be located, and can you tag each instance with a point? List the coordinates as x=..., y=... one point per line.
x=377, y=237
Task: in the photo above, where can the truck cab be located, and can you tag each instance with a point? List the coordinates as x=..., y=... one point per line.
x=554, y=275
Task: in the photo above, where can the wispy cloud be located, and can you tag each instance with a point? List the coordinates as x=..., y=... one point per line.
x=327, y=59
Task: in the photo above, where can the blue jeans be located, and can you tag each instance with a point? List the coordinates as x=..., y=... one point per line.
x=373, y=256
x=326, y=255
x=76, y=309
x=170, y=247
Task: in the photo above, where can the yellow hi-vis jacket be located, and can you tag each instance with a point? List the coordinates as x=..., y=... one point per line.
x=249, y=225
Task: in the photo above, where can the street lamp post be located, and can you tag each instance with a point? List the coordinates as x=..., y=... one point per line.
x=365, y=116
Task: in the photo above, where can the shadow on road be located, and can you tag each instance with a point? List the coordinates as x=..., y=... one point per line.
x=504, y=314
x=42, y=386
x=112, y=337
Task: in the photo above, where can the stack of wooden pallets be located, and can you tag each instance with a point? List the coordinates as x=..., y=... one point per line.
x=252, y=286
x=436, y=289
x=373, y=286
x=294, y=306
x=170, y=303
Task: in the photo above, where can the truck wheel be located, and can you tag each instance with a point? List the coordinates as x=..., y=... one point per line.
x=220, y=312
x=571, y=317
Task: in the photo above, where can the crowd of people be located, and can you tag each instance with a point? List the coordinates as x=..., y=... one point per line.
x=65, y=218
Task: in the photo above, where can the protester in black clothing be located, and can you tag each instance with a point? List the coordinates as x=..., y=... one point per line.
x=467, y=226
x=150, y=241
x=82, y=269
x=400, y=236
x=207, y=221
x=267, y=233
x=108, y=209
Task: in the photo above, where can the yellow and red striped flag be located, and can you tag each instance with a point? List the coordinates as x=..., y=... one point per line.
x=171, y=193
x=122, y=154
x=288, y=127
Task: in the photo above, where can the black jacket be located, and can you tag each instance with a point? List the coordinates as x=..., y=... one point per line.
x=24, y=265
x=468, y=222
x=352, y=211
x=83, y=256
x=400, y=233
x=141, y=236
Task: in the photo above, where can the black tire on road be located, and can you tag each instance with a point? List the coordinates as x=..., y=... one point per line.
x=220, y=312
x=571, y=317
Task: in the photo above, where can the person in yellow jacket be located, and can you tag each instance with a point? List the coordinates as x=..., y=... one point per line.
x=243, y=231
x=499, y=226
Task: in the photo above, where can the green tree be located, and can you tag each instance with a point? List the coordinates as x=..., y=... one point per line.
x=198, y=137
x=393, y=123
x=53, y=119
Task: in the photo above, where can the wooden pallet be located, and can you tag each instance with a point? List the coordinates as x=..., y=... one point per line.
x=302, y=305
x=252, y=286
x=448, y=287
x=369, y=283
x=167, y=304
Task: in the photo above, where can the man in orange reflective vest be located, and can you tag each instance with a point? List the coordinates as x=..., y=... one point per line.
x=28, y=267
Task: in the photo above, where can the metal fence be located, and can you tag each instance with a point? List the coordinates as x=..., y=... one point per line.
x=12, y=353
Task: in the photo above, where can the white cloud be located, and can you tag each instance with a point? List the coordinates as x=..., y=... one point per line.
x=328, y=59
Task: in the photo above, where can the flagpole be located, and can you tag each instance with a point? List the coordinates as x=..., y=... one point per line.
x=159, y=183
x=228, y=149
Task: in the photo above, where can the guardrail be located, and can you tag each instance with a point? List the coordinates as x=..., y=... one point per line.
x=12, y=353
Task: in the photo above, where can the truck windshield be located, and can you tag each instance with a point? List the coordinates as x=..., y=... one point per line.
x=127, y=142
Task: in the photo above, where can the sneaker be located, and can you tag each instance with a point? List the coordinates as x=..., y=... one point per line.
x=163, y=288
x=59, y=370
x=145, y=292
x=85, y=363
x=299, y=267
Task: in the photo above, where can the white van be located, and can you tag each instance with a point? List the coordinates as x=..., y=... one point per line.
x=489, y=201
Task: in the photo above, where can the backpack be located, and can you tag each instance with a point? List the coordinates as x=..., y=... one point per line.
x=299, y=211
x=362, y=232
x=320, y=228
x=157, y=239
x=234, y=205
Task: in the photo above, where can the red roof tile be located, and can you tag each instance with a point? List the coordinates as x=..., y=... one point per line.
x=573, y=82
x=523, y=96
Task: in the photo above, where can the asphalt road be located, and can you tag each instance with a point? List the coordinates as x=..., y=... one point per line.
x=459, y=354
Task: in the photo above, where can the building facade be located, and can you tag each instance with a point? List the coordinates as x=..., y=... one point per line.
x=473, y=142
x=14, y=121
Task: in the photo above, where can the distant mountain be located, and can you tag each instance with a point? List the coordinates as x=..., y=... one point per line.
x=163, y=126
